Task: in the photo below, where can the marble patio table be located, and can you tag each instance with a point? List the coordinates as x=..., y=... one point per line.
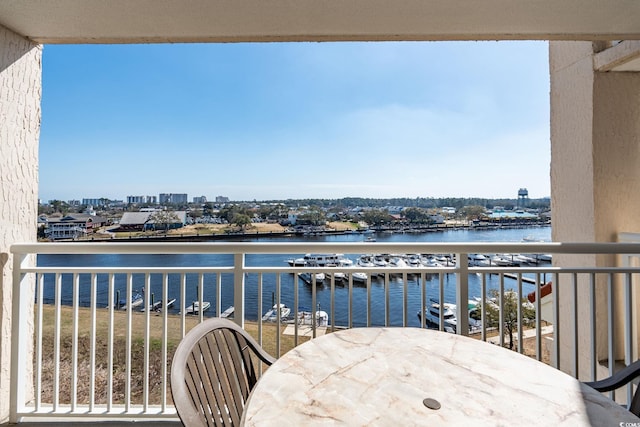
x=382, y=376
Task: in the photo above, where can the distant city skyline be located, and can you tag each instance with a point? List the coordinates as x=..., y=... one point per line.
x=186, y=198
x=277, y=121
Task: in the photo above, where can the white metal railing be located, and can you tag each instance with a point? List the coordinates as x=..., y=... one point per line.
x=63, y=307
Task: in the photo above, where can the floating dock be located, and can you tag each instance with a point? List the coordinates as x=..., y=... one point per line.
x=228, y=312
x=524, y=279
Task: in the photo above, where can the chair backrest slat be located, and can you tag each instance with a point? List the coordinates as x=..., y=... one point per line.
x=213, y=372
x=210, y=394
x=226, y=376
x=239, y=364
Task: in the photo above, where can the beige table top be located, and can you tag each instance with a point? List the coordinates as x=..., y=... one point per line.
x=381, y=376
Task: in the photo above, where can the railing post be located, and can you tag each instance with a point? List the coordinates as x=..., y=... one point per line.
x=462, y=293
x=238, y=289
x=21, y=336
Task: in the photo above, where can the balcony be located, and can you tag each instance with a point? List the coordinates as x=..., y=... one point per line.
x=80, y=357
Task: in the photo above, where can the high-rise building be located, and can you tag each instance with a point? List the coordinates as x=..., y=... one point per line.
x=171, y=198
x=94, y=202
x=200, y=200
x=138, y=200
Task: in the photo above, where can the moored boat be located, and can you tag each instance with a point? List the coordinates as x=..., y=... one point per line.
x=277, y=310
x=309, y=277
x=305, y=317
x=320, y=260
x=359, y=277
x=338, y=276
x=449, y=314
x=136, y=301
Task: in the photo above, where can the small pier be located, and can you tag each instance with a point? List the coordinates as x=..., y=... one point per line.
x=524, y=279
x=228, y=312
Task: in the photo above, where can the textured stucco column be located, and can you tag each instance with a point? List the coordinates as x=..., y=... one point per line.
x=595, y=174
x=20, y=93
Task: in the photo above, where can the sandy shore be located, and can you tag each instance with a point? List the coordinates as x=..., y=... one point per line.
x=253, y=228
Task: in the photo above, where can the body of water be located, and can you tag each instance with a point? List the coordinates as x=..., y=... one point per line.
x=397, y=287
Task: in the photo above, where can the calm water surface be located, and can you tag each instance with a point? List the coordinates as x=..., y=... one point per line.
x=397, y=288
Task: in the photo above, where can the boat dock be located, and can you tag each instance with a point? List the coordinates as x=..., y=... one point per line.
x=228, y=312
x=524, y=279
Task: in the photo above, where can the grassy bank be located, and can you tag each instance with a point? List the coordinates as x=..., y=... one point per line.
x=119, y=371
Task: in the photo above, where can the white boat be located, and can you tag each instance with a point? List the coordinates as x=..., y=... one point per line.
x=478, y=260
x=398, y=262
x=428, y=261
x=380, y=261
x=306, y=318
x=432, y=315
x=524, y=259
x=272, y=314
x=195, y=307
x=359, y=277
x=308, y=277
x=365, y=261
x=544, y=257
x=338, y=276
x=136, y=301
x=320, y=260
x=501, y=260
x=413, y=260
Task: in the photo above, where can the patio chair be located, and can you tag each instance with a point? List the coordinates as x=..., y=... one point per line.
x=617, y=380
x=215, y=367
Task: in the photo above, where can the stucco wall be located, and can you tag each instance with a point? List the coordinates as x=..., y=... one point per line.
x=20, y=93
x=572, y=186
x=595, y=153
x=616, y=136
x=571, y=141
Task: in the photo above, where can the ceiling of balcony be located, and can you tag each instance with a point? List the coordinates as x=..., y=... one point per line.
x=133, y=21
x=176, y=21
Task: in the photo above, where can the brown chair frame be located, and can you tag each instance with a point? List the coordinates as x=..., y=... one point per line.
x=214, y=368
x=619, y=379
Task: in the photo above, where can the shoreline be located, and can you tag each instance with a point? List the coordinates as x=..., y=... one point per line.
x=203, y=237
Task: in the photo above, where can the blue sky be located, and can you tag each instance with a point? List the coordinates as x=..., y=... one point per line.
x=295, y=120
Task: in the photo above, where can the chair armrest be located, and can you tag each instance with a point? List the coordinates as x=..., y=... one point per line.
x=617, y=380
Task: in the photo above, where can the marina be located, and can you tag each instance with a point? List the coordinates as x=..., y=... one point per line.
x=346, y=301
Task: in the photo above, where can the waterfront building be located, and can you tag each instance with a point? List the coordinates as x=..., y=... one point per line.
x=72, y=226
x=152, y=219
